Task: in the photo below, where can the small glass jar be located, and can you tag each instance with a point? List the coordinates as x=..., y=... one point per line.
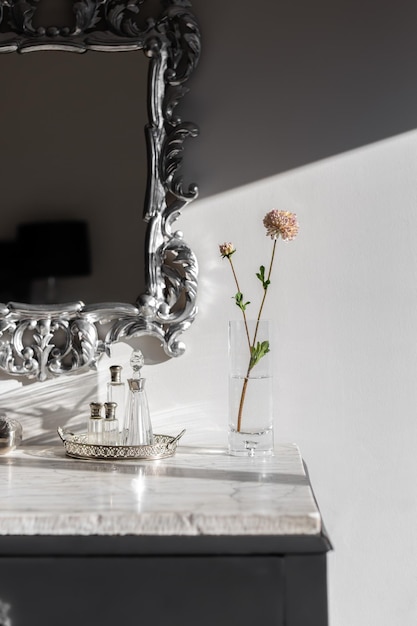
x=110, y=425
x=95, y=424
x=116, y=392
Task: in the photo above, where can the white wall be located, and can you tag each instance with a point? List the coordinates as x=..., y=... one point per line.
x=310, y=108
x=343, y=301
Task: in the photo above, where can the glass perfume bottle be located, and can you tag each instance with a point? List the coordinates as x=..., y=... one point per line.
x=95, y=424
x=116, y=392
x=138, y=427
x=110, y=425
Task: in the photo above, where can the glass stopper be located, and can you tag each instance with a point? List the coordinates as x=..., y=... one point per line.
x=137, y=362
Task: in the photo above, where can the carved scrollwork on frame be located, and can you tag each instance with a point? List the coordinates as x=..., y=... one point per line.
x=52, y=342
x=47, y=341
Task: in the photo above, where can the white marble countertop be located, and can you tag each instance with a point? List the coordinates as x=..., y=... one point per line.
x=199, y=491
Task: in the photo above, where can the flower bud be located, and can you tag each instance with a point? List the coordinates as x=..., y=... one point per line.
x=227, y=249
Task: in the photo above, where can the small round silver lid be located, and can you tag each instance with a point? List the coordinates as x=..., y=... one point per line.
x=116, y=373
x=95, y=409
x=110, y=410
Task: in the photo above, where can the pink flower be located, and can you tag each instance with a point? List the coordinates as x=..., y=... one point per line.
x=227, y=249
x=281, y=223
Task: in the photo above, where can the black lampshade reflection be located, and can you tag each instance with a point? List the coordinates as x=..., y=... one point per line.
x=14, y=282
x=55, y=249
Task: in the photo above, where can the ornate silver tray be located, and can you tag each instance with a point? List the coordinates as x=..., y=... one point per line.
x=76, y=446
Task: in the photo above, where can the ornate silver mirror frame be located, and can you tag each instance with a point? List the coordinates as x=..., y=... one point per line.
x=46, y=341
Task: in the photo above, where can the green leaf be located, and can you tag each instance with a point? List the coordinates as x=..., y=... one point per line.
x=239, y=301
x=261, y=273
x=257, y=352
x=261, y=276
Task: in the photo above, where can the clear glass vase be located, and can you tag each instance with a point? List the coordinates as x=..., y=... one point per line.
x=250, y=390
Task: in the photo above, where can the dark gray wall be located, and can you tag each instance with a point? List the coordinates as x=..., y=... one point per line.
x=285, y=83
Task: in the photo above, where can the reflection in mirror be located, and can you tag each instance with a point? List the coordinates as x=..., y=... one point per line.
x=39, y=267
x=78, y=142
x=75, y=150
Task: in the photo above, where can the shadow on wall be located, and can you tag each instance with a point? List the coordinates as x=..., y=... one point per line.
x=283, y=84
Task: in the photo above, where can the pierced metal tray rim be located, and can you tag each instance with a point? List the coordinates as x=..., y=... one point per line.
x=76, y=446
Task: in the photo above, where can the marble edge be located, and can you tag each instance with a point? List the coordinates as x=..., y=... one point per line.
x=161, y=524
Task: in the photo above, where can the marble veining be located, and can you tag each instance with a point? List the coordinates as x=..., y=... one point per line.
x=196, y=492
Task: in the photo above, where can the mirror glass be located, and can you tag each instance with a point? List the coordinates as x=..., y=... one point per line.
x=74, y=149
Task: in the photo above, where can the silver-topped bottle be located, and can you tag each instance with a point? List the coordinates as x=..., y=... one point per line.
x=138, y=427
x=95, y=424
x=116, y=392
x=110, y=425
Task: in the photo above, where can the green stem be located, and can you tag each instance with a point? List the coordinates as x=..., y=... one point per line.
x=241, y=403
x=246, y=380
x=243, y=312
x=265, y=290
